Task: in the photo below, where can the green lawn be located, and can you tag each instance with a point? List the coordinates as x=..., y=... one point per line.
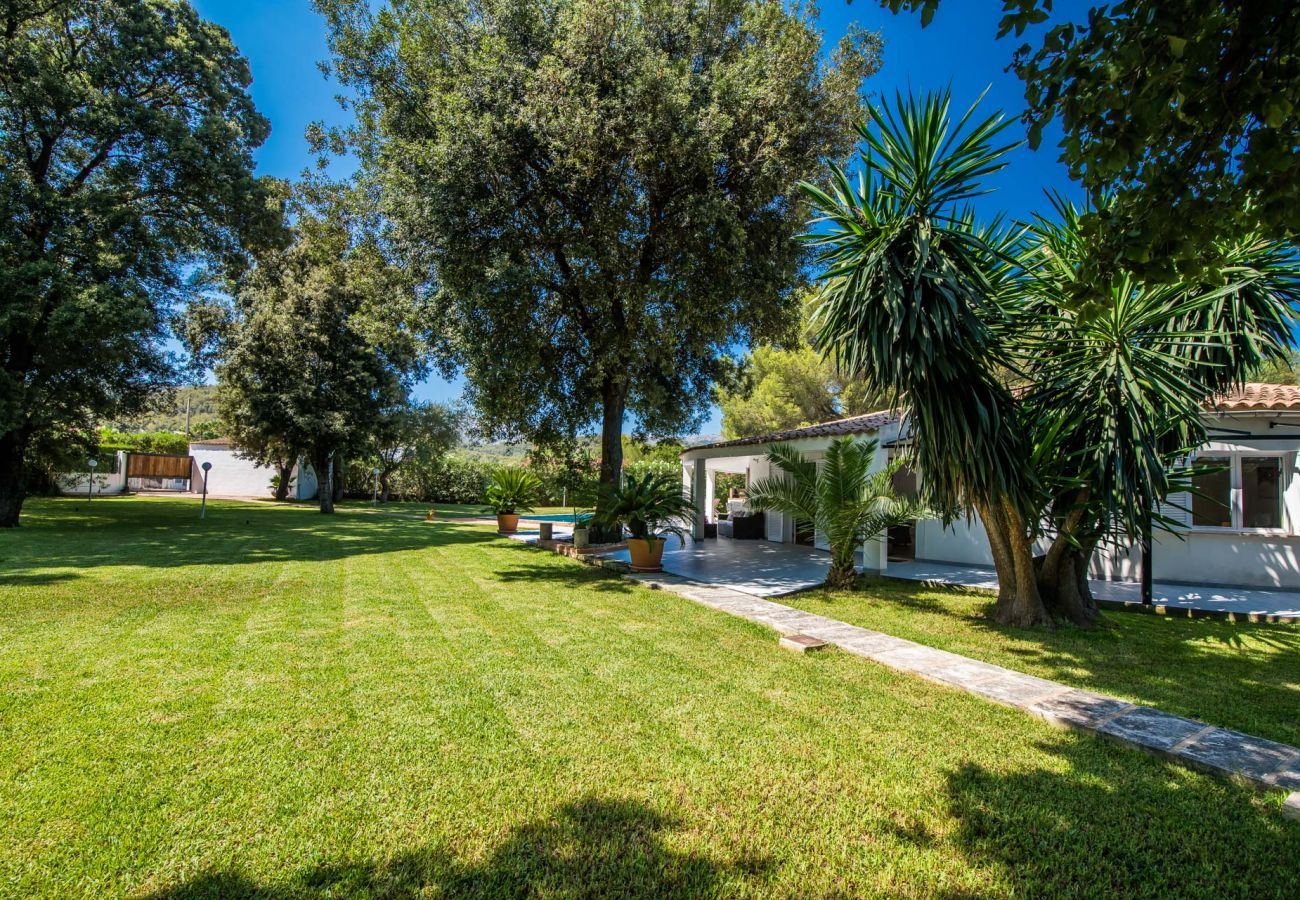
x=451, y=510
x=280, y=703
x=1245, y=677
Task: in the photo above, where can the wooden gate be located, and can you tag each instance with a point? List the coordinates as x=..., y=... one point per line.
x=158, y=471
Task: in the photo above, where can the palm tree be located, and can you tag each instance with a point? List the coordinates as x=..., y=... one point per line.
x=943, y=315
x=847, y=502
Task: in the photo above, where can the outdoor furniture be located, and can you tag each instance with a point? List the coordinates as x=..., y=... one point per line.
x=747, y=528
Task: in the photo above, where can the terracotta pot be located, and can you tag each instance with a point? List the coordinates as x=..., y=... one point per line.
x=643, y=559
x=507, y=523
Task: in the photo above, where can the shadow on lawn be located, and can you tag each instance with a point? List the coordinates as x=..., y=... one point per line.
x=1112, y=824
x=60, y=540
x=565, y=574
x=590, y=848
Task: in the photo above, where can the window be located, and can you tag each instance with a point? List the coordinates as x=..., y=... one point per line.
x=1261, y=492
x=1245, y=493
x=1212, y=494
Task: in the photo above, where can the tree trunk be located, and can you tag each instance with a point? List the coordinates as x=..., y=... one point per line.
x=13, y=477
x=383, y=486
x=282, y=486
x=323, y=463
x=339, y=479
x=613, y=397
x=842, y=576
x=1063, y=582
x=1019, y=601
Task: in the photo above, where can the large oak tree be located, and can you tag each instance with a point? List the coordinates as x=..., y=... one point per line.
x=603, y=191
x=126, y=139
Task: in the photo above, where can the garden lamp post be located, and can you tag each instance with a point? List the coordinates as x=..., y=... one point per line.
x=90, y=479
x=375, y=472
x=203, y=504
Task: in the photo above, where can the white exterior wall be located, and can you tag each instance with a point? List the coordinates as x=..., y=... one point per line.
x=104, y=482
x=1226, y=557
x=234, y=476
x=230, y=475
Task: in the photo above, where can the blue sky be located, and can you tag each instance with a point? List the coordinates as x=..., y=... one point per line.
x=284, y=40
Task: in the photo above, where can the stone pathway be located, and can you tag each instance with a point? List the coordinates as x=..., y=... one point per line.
x=1252, y=761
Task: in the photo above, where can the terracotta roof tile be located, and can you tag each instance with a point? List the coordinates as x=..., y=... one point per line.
x=852, y=425
x=1255, y=397
x=1252, y=397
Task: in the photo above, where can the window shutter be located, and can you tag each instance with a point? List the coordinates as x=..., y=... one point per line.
x=1178, y=507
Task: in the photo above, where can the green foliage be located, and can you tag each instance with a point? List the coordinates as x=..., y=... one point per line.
x=650, y=504
x=909, y=302
x=939, y=311
x=145, y=441
x=512, y=490
x=1279, y=371
x=791, y=387
x=411, y=434
x=1185, y=110
x=444, y=479
x=601, y=190
x=166, y=411
x=843, y=498
x=125, y=161
x=321, y=341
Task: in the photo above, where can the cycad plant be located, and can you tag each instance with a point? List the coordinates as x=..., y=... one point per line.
x=650, y=504
x=848, y=500
x=513, y=490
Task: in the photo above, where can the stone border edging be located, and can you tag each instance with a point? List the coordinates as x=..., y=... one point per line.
x=1242, y=758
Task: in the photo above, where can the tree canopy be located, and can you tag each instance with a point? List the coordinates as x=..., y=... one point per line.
x=602, y=191
x=1185, y=110
x=321, y=341
x=126, y=140
x=789, y=387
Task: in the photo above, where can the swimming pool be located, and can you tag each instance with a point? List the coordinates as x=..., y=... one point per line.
x=556, y=517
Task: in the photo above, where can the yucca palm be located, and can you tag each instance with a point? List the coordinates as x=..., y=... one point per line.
x=1111, y=378
x=913, y=301
x=845, y=498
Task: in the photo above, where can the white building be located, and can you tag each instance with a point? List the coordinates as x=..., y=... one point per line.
x=1241, y=529
x=233, y=475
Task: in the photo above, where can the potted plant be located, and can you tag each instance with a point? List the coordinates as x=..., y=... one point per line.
x=512, y=491
x=581, y=529
x=649, y=504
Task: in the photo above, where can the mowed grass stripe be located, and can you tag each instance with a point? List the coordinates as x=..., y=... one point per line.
x=402, y=708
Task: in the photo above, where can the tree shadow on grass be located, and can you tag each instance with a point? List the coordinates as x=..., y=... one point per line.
x=1115, y=823
x=592, y=847
x=570, y=576
x=60, y=540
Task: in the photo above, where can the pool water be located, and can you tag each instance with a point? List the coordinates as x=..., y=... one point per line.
x=557, y=517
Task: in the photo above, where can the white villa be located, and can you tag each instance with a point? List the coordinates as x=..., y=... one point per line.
x=1243, y=527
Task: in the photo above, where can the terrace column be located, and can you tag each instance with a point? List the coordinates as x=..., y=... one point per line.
x=700, y=485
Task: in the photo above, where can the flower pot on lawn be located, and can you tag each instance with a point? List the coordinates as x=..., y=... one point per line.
x=507, y=523
x=645, y=559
